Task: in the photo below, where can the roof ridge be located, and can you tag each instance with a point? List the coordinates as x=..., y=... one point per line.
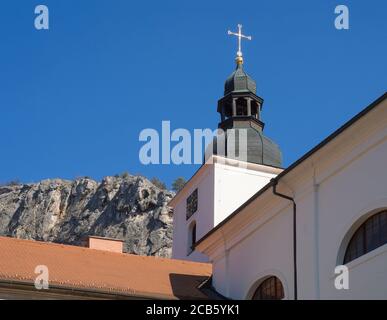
x=102, y=252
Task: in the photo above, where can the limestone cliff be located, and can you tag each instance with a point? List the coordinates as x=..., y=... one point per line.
x=130, y=208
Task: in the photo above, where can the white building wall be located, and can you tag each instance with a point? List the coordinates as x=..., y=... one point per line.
x=218, y=196
x=266, y=251
x=307, y=243
x=346, y=199
x=203, y=217
x=336, y=189
x=235, y=185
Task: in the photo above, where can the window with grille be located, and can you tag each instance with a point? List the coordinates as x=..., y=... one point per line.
x=269, y=289
x=192, y=204
x=369, y=236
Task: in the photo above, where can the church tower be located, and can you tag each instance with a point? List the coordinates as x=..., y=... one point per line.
x=240, y=109
x=228, y=180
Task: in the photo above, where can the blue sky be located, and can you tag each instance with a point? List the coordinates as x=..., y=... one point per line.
x=74, y=98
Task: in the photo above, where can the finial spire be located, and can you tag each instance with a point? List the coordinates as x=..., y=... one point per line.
x=239, y=57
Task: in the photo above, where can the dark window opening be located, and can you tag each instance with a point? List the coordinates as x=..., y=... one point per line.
x=269, y=289
x=241, y=107
x=191, y=237
x=192, y=204
x=369, y=236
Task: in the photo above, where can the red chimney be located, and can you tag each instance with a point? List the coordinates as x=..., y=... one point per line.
x=105, y=244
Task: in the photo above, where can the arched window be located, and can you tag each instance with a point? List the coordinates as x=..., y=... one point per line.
x=369, y=236
x=191, y=236
x=269, y=289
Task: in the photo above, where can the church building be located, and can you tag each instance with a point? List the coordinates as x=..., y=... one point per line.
x=245, y=227
x=314, y=230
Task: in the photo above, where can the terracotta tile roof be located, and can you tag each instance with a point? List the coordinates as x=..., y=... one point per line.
x=86, y=270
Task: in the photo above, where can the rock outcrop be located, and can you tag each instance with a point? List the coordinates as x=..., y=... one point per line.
x=130, y=208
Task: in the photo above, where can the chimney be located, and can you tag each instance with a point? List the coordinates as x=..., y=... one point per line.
x=105, y=244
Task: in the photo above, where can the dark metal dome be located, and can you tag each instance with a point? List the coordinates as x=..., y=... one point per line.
x=240, y=111
x=260, y=149
x=239, y=81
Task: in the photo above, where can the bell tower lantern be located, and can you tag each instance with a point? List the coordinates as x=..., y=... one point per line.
x=240, y=109
x=222, y=185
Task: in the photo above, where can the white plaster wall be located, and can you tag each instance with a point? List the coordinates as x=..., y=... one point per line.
x=219, y=194
x=367, y=278
x=234, y=186
x=267, y=251
x=350, y=194
x=220, y=279
x=307, y=251
x=335, y=191
x=203, y=216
